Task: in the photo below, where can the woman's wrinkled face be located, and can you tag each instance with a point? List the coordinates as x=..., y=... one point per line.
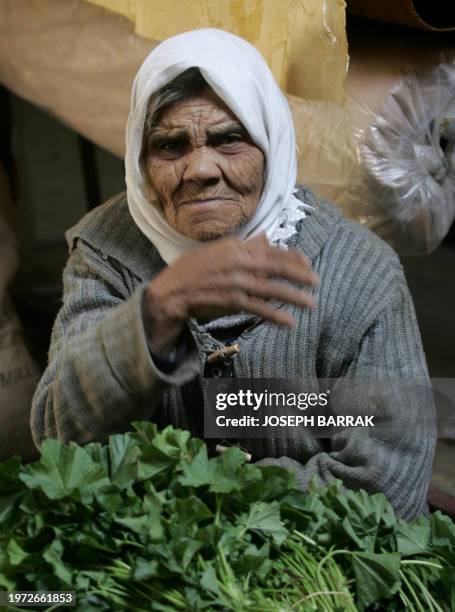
x=203, y=167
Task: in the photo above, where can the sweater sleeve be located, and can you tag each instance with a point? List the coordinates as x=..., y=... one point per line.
x=100, y=375
x=397, y=459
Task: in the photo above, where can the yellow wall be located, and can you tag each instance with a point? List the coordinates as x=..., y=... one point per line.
x=304, y=41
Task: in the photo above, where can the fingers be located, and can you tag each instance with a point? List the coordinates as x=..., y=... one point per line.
x=232, y=275
x=262, y=258
x=219, y=302
x=265, y=311
x=257, y=256
x=259, y=287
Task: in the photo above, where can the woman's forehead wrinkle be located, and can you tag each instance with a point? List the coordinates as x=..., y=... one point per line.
x=222, y=126
x=161, y=131
x=176, y=127
x=206, y=107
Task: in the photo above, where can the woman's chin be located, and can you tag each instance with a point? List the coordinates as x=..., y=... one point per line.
x=203, y=234
x=210, y=228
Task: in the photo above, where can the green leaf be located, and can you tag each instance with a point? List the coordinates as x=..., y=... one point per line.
x=123, y=453
x=172, y=442
x=53, y=555
x=9, y=471
x=87, y=540
x=364, y=505
x=65, y=471
x=442, y=534
x=448, y=585
x=152, y=464
x=145, y=433
x=209, y=581
x=185, y=549
x=189, y=510
x=16, y=554
x=413, y=537
x=211, y=534
x=110, y=499
x=265, y=518
x=144, y=569
x=354, y=517
x=11, y=488
x=255, y=560
x=160, y=451
x=221, y=474
x=198, y=473
x=99, y=454
x=275, y=482
x=307, y=511
x=365, y=542
x=376, y=575
x=232, y=473
x=137, y=524
x=147, y=524
x=6, y=583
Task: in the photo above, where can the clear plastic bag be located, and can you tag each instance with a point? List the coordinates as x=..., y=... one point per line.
x=407, y=158
x=386, y=156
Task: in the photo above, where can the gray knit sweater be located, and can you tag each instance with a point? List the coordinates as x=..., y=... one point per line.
x=101, y=375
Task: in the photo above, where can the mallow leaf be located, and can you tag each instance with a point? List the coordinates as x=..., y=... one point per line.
x=65, y=471
x=123, y=454
x=265, y=518
x=376, y=576
x=413, y=537
x=221, y=474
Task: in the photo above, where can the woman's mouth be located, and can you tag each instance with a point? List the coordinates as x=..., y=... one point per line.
x=204, y=201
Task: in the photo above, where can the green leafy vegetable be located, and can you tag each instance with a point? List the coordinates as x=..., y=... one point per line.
x=150, y=522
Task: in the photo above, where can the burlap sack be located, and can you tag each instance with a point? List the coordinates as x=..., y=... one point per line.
x=19, y=374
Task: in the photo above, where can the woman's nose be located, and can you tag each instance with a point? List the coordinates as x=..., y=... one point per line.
x=202, y=166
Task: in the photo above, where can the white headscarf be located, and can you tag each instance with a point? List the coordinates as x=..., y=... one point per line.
x=239, y=75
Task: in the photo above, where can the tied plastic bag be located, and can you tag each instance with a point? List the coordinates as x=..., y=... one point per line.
x=386, y=156
x=407, y=187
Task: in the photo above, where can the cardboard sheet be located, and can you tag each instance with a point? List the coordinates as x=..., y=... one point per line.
x=303, y=41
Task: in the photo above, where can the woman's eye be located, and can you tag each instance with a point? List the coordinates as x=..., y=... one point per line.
x=229, y=138
x=171, y=145
x=230, y=141
x=168, y=148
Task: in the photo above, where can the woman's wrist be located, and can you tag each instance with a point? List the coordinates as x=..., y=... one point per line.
x=163, y=321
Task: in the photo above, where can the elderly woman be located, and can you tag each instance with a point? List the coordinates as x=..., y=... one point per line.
x=187, y=262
